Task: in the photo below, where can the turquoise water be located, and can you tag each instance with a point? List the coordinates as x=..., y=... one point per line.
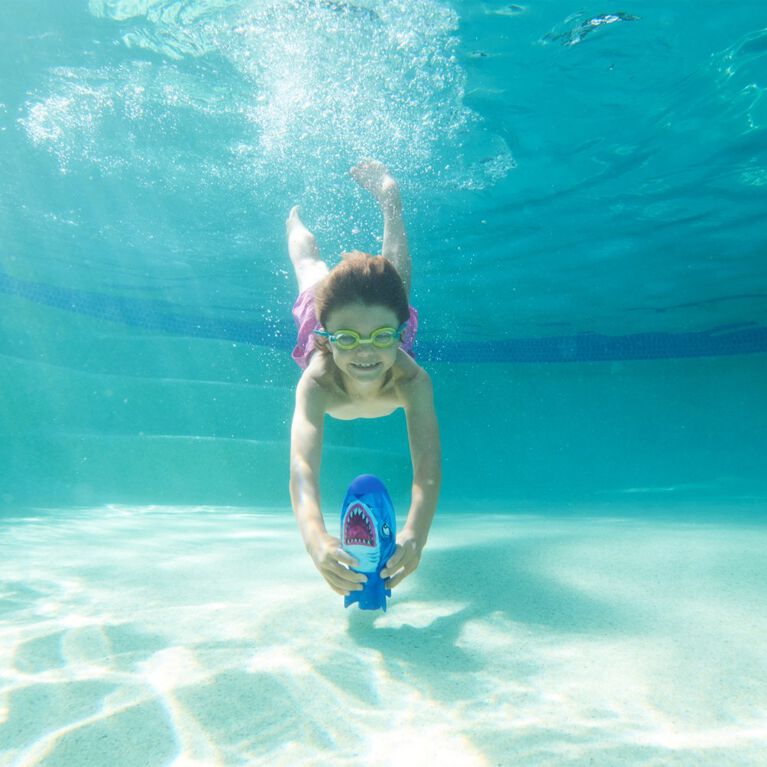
x=584, y=193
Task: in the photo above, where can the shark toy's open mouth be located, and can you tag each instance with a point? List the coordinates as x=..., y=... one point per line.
x=359, y=529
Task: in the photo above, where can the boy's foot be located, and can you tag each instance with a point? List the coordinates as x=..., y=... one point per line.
x=375, y=177
x=299, y=237
x=293, y=222
x=303, y=251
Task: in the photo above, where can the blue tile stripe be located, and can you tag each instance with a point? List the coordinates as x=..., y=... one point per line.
x=745, y=338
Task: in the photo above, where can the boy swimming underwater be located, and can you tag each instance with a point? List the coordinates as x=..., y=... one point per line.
x=355, y=339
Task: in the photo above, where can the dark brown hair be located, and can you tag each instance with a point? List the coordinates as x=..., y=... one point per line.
x=365, y=279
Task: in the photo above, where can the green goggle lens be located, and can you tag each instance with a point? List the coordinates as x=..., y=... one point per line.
x=348, y=339
x=382, y=338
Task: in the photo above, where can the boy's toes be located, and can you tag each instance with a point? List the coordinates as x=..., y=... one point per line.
x=358, y=167
x=374, y=176
x=293, y=217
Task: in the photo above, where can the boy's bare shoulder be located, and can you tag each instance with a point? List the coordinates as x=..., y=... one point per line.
x=317, y=377
x=410, y=376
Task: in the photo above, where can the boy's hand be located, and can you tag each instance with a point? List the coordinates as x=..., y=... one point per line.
x=329, y=558
x=404, y=560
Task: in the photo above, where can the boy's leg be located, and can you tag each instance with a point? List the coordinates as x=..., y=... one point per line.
x=375, y=177
x=304, y=253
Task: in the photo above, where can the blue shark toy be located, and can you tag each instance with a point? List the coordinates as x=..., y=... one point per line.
x=368, y=533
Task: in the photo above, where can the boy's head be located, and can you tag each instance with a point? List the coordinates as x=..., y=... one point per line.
x=362, y=279
x=363, y=294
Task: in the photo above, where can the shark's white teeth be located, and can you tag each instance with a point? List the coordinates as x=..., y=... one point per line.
x=357, y=514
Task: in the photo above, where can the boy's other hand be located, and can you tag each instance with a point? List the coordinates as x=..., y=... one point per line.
x=404, y=561
x=329, y=558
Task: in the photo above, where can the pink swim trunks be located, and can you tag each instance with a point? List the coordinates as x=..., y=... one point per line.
x=306, y=322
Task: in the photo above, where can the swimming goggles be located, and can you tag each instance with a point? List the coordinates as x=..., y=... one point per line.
x=382, y=338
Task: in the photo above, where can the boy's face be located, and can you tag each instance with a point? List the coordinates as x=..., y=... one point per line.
x=366, y=362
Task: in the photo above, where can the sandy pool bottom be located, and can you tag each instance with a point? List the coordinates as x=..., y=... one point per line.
x=194, y=637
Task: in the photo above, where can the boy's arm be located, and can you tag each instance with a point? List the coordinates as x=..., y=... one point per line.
x=426, y=455
x=305, y=454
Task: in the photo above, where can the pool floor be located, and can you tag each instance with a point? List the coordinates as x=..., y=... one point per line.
x=203, y=636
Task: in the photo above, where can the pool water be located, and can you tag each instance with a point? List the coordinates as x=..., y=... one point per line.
x=584, y=192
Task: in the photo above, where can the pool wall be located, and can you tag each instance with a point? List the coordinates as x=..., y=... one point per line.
x=95, y=412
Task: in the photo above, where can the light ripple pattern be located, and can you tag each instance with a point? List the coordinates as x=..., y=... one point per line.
x=204, y=636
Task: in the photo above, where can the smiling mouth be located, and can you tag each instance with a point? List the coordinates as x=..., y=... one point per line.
x=365, y=366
